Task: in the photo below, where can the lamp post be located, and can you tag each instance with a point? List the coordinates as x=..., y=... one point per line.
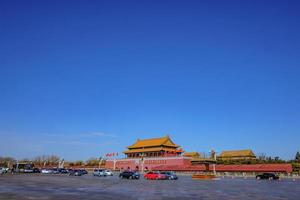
x=114, y=163
x=100, y=162
x=142, y=159
x=213, y=156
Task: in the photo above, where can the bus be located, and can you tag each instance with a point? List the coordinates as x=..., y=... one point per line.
x=23, y=168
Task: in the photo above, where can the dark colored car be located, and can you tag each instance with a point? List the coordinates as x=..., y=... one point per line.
x=75, y=172
x=55, y=171
x=83, y=171
x=62, y=171
x=129, y=175
x=268, y=176
x=170, y=175
x=36, y=170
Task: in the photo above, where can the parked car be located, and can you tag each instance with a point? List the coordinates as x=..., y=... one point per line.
x=36, y=170
x=83, y=171
x=170, y=175
x=28, y=171
x=108, y=173
x=99, y=172
x=75, y=172
x=55, y=171
x=47, y=171
x=3, y=170
x=62, y=171
x=268, y=176
x=129, y=175
x=155, y=176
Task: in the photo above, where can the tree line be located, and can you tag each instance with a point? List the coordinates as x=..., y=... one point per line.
x=50, y=160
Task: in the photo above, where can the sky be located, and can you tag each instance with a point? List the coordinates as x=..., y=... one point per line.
x=80, y=79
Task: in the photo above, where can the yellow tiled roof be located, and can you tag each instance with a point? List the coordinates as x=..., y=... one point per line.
x=191, y=154
x=153, y=142
x=155, y=149
x=238, y=153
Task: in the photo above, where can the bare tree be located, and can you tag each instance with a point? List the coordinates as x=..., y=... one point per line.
x=92, y=162
x=53, y=160
x=78, y=163
x=46, y=160
x=297, y=157
x=7, y=161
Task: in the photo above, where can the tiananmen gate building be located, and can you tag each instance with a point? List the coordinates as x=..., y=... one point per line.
x=155, y=147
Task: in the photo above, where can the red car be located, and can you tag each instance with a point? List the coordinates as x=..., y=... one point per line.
x=155, y=176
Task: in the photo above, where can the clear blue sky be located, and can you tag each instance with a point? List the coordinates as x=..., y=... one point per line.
x=83, y=78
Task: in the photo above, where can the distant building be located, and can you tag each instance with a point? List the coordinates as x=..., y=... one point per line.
x=237, y=155
x=192, y=154
x=154, y=147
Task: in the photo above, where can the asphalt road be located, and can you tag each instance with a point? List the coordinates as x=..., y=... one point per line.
x=61, y=187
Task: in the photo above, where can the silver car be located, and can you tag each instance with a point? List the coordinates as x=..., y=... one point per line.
x=47, y=171
x=108, y=173
x=99, y=172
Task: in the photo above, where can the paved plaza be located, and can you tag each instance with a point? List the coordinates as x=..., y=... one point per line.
x=59, y=187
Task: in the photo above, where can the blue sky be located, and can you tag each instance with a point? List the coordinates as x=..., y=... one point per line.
x=86, y=78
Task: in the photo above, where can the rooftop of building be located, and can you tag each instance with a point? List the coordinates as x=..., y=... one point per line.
x=238, y=153
x=191, y=154
x=154, y=142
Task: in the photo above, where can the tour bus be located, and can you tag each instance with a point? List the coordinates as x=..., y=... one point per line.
x=23, y=168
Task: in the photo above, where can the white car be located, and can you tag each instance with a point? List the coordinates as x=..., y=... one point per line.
x=108, y=173
x=28, y=170
x=47, y=171
x=99, y=172
x=3, y=170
